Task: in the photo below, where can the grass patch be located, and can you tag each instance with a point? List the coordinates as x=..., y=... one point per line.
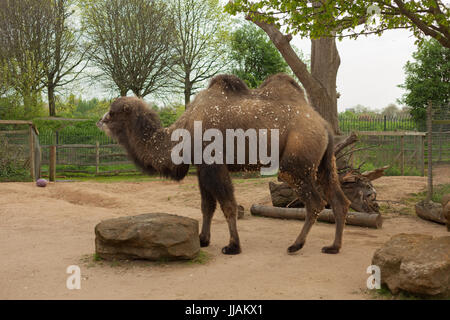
x=96, y=257
x=406, y=206
x=92, y=260
x=202, y=258
x=438, y=192
x=385, y=294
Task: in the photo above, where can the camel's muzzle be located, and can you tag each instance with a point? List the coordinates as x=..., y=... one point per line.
x=101, y=123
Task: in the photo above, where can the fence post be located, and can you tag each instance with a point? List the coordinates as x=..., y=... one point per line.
x=417, y=152
x=422, y=160
x=32, y=159
x=441, y=137
x=430, y=152
x=52, y=165
x=97, y=157
x=384, y=122
x=402, y=155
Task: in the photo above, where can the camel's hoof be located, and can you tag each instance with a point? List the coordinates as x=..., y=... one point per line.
x=231, y=249
x=330, y=250
x=294, y=248
x=204, y=241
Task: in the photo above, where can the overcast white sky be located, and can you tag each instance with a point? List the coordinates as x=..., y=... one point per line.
x=371, y=68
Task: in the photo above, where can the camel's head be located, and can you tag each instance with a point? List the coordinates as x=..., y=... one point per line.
x=128, y=113
x=114, y=121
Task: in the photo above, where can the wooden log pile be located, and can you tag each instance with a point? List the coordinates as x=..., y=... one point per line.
x=353, y=218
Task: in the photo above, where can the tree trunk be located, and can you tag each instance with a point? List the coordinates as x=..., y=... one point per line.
x=325, y=62
x=51, y=101
x=123, y=92
x=187, y=97
x=187, y=90
x=28, y=101
x=320, y=84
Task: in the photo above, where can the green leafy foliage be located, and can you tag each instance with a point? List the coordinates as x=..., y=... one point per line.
x=427, y=79
x=76, y=107
x=12, y=107
x=353, y=18
x=11, y=169
x=254, y=55
x=169, y=114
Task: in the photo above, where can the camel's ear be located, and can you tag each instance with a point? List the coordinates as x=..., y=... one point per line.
x=126, y=108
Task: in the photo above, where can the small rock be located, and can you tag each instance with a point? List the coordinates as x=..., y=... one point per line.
x=152, y=236
x=419, y=264
x=445, y=199
x=241, y=212
x=446, y=210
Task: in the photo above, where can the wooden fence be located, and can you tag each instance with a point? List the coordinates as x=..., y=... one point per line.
x=404, y=150
x=23, y=143
x=86, y=155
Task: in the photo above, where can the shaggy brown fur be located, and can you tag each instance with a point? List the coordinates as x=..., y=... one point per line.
x=307, y=161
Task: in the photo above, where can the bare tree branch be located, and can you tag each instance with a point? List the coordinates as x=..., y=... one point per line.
x=132, y=43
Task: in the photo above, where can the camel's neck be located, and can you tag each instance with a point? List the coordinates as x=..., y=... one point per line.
x=150, y=149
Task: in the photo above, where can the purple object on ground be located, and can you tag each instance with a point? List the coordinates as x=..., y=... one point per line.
x=41, y=183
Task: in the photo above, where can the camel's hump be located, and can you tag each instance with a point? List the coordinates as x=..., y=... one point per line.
x=228, y=83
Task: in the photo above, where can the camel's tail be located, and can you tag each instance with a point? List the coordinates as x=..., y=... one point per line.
x=327, y=166
x=328, y=176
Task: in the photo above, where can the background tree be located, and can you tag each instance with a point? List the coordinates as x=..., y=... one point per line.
x=39, y=47
x=325, y=20
x=169, y=113
x=427, y=79
x=254, y=56
x=391, y=110
x=4, y=81
x=318, y=79
x=63, y=52
x=312, y=18
x=131, y=42
x=22, y=31
x=200, y=46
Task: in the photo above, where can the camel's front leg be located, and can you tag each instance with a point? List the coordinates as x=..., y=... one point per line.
x=215, y=183
x=208, y=208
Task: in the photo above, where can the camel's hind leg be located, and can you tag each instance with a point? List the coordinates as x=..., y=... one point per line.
x=215, y=179
x=305, y=186
x=329, y=182
x=339, y=204
x=336, y=198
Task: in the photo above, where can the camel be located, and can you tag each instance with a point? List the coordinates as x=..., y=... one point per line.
x=306, y=158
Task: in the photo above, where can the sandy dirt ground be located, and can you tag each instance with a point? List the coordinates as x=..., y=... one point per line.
x=45, y=230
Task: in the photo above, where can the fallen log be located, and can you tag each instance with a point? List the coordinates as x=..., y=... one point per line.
x=431, y=211
x=368, y=220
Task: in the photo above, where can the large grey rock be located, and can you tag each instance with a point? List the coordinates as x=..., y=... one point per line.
x=415, y=263
x=152, y=236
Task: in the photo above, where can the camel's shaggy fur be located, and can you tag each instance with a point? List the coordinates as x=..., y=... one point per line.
x=307, y=161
